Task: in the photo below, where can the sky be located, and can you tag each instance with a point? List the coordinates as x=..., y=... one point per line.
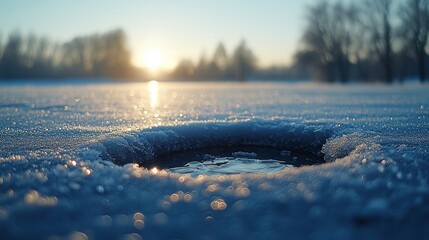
x=168, y=31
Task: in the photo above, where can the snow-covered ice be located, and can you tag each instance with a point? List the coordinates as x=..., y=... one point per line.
x=70, y=155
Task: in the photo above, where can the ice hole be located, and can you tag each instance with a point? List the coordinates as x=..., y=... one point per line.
x=221, y=148
x=232, y=160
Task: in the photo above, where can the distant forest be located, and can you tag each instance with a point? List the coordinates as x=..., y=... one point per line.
x=94, y=56
x=369, y=41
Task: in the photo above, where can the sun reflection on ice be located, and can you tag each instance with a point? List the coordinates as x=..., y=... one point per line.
x=153, y=87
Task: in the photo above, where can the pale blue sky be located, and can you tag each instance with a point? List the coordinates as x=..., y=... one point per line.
x=178, y=28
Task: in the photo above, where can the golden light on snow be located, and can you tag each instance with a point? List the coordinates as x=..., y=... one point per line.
x=153, y=87
x=34, y=197
x=138, y=216
x=218, y=205
x=174, y=197
x=154, y=170
x=139, y=224
x=188, y=197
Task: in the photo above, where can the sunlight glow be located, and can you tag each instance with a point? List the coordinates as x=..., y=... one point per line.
x=154, y=170
x=152, y=59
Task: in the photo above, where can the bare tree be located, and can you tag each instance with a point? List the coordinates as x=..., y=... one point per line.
x=116, y=54
x=11, y=63
x=220, y=57
x=243, y=61
x=377, y=22
x=414, y=30
x=184, y=70
x=201, y=70
x=1, y=49
x=96, y=55
x=330, y=35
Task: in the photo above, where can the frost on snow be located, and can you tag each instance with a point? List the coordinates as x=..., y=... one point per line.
x=69, y=162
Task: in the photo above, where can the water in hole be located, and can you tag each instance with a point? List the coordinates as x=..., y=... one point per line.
x=232, y=160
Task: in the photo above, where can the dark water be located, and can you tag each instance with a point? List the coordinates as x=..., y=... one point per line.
x=232, y=160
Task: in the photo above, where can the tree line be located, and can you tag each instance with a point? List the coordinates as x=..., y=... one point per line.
x=373, y=40
x=92, y=56
x=368, y=41
x=239, y=66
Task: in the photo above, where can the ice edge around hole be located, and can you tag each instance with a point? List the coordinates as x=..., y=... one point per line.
x=147, y=145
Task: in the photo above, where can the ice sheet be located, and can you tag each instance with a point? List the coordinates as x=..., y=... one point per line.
x=55, y=180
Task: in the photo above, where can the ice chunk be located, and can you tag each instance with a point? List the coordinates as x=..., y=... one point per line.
x=244, y=155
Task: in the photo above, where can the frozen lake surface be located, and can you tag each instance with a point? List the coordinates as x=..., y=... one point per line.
x=71, y=158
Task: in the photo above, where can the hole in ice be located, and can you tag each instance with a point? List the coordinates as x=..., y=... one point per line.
x=232, y=160
x=221, y=148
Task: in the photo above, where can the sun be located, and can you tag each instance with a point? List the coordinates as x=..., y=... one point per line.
x=152, y=59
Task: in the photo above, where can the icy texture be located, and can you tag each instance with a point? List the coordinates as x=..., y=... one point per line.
x=54, y=181
x=245, y=155
x=147, y=145
x=231, y=165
